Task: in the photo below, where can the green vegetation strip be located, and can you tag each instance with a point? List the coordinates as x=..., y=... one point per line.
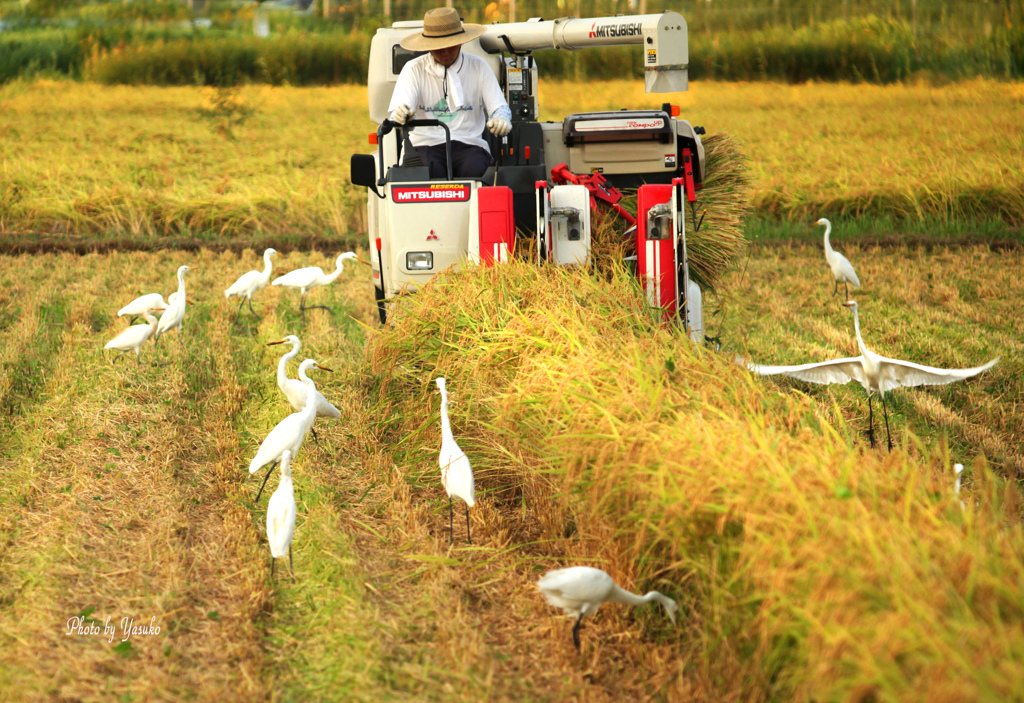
x=863, y=49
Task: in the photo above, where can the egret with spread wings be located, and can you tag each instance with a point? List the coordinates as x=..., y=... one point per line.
x=876, y=373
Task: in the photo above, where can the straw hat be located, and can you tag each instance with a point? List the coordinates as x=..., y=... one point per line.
x=442, y=28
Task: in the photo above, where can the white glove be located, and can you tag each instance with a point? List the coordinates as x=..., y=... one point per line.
x=402, y=113
x=498, y=126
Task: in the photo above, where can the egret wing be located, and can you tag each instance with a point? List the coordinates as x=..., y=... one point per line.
x=287, y=434
x=846, y=271
x=143, y=304
x=896, y=373
x=825, y=372
x=299, y=278
x=295, y=392
x=171, y=317
x=457, y=473
x=243, y=284
x=324, y=407
x=577, y=583
x=280, y=522
x=130, y=338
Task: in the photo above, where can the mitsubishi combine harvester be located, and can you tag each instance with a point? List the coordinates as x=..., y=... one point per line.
x=548, y=177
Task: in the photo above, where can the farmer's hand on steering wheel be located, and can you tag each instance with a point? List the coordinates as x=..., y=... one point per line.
x=401, y=114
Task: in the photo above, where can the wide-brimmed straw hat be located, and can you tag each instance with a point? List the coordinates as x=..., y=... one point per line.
x=442, y=28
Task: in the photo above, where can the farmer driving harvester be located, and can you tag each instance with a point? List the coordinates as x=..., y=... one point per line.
x=456, y=88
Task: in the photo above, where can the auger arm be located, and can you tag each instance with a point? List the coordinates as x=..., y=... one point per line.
x=664, y=38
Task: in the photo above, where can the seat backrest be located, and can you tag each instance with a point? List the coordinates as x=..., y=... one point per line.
x=408, y=174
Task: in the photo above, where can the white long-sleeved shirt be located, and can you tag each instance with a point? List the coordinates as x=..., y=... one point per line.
x=423, y=85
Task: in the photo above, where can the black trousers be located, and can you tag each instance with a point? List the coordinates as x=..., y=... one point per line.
x=468, y=160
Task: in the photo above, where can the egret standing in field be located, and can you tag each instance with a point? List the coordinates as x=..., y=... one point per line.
x=175, y=312
x=877, y=374
x=842, y=269
x=310, y=277
x=580, y=590
x=456, y=473
x=281, y=512
x=289, y=433
x=133, y=338
x=295, y=390
x=249, y=283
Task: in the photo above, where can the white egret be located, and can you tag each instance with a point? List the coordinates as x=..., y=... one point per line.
x=249, y=283
x=456, y=473
x=175, y=310
x=877, y=374
x=288, y=434
x=580, y=590
x=959, y=469
x=842, y=269
x=281, y=516
x=295, y=390
x=133, y=337
x=312, y=276
x=142, y=304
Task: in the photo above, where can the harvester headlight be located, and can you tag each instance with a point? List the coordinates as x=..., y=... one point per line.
x=419, y=260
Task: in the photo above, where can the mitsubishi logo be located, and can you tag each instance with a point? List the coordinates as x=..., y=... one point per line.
x=592, y=34
x=431, y=236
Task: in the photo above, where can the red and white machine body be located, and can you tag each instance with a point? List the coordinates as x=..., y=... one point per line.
x=554, y=180
x=428, y=226
x=661, y=255
x=563, y=224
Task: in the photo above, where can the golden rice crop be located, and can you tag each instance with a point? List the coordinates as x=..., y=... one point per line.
x=145, y=162
x=807, y=565
x=810, y=565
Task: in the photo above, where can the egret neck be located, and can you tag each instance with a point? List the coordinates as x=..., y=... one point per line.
x=621, y=595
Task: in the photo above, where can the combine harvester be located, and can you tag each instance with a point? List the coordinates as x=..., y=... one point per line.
x=548, y=177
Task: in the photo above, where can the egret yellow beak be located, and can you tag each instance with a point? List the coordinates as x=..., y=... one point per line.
x=324, y=368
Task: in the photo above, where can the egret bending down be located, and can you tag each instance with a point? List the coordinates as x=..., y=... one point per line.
x=175, y=310
x=151, y=302
x=289, y=434
x=456, y=473
x=132, y=338
x=249, y=283
x=281, y=516
x=842, y=269
x=310, y=277
x=877, y=374
x=580, y=590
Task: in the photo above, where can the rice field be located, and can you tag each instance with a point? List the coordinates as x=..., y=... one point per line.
x=806, y=564
x=141, y=164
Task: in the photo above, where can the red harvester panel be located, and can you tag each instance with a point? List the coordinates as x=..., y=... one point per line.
x=497, y=223
x=655, y=260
